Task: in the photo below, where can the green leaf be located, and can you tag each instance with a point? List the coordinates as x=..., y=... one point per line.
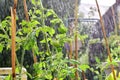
x=1, y=47
x=43, y=41
x=9, y=77
x=35, y=48
x=38, y=12
x=30, y=41
x=54, y=21
x=83, y=37
x=20, y=33
x=62, y=29
x=61, y=36
x=97, y=72
x=3, y=36
x=38, y=30
x=51, y=31
x=4, y=23
x=110, y=76
x=93, y=41
x=33, y=2
x=24, y=23
x=61, y=79
x=50, y=12
x=33, y=23
x=46, y=29
x=27, y=30
x=48, y=76
x=8, y=44
x=97, y=59
x=84, y=67
x=55, y=43
x=18, y=39
x=72, y=61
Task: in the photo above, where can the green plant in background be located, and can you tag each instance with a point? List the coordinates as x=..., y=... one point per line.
x=99, y=69
x=54, y=65
x=102, y=69
x=110, y=76
x=51, y=39
x=114, y=41
x=5, y=34
x=26, y=39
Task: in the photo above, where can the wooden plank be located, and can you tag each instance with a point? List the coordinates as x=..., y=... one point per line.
x=24, y=77
x=6, y=71
x=9, y=70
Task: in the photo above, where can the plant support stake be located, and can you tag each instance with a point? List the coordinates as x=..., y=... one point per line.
x=70, y=44
x=13, y=54
x=113, y=14
x=76, y=40
x=70, y=51
x=13, y=35
x=106, y=41
x=76, y=37
x=25, y=10
x=15, y=4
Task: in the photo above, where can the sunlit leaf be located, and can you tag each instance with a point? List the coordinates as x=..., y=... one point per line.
x=84, y=67
x=62, y=29
x=33, y=2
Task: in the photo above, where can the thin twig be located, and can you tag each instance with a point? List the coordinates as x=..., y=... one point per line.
x=106, y=41
x=22, y=60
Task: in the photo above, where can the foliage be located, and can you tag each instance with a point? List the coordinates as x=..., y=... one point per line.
x=5, y=34
x=44, y=35
x=114, y=41
x=93, y=41
x=51, y=63
x=54, y=65
x=110, y=76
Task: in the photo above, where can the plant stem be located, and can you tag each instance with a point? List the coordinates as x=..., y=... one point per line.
x=22, y=60
x=106, y=41
x=43, y=25
x=47, y=45
x=5, y=32
x=100, y=76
